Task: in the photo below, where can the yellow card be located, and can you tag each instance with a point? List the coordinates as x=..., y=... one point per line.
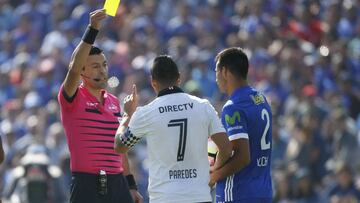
x=111, y=7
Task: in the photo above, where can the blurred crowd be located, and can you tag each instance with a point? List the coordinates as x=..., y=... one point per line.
x=304, y=55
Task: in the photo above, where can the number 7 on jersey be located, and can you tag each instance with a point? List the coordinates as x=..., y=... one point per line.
x=182, y=123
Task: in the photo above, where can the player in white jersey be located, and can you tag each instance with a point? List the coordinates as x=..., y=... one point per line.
x=177, y=127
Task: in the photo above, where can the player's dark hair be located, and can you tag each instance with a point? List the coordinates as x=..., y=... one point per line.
x=235, y=60
x=165, y=71
x=95, y=51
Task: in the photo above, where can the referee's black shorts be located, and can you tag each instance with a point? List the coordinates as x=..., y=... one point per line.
x=84, y=189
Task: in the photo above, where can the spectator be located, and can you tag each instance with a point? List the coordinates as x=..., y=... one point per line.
x=304, y=190
x=344, y=189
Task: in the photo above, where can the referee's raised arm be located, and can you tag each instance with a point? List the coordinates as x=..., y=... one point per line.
x=81, y=52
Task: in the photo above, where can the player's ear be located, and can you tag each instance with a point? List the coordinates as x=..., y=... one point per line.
x=154, y=84
x=178, y=81
x=224, y=72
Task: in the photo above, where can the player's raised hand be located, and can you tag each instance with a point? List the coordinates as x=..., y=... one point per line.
x=96, y=17
x=131, y=102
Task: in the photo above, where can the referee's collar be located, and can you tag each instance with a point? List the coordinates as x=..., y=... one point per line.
x=170, y=90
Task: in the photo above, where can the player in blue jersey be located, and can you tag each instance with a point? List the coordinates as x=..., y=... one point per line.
x=247, y=119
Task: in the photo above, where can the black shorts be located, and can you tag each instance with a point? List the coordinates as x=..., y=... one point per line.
x=84, y=188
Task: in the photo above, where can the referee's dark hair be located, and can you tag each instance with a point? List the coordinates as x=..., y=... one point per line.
x=165, y=71
x=95, y=51
x=235, y=60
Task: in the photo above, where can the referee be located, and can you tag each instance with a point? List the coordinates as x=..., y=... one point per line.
x=176, y=126
x=90, y=116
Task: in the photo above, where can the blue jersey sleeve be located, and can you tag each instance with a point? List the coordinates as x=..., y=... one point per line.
x=235, y=123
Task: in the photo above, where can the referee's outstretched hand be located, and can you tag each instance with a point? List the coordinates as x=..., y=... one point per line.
x=96, y=17
x=131, y=102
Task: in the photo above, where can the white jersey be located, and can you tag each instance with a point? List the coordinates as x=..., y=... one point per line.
x=177, y=126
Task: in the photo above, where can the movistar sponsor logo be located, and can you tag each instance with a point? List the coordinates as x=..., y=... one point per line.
x=230, y=120
x=234, y=128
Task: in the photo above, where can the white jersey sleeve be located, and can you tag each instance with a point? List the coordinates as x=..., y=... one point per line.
x=215, y=125
x=138, y=124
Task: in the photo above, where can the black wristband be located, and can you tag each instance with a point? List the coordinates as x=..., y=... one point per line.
x=131, y=182
x=90, y=35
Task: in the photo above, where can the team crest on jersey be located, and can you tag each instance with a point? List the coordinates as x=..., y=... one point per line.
x=113, y=107
x=258, y=99
x=230, y=120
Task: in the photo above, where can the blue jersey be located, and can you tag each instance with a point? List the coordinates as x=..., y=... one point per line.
x=248, y=115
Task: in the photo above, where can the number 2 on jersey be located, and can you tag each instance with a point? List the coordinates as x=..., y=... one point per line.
x=265, y=116
x=182, y=123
